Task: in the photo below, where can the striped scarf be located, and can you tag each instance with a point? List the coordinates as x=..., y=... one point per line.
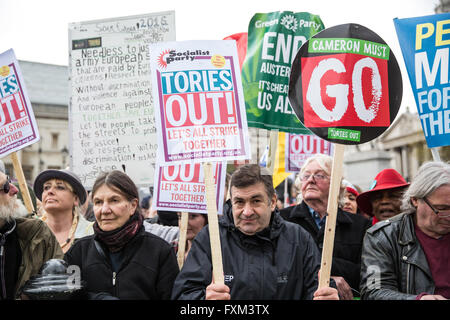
x=116, y=239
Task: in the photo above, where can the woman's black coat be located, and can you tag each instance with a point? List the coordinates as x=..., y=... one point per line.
x=147, y=271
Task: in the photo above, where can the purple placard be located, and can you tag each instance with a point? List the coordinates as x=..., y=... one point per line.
x=300, y=147
x=18, y=127
x=201, y=115
x=181, y=188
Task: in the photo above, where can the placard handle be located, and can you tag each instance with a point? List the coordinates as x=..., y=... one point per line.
x=213, y=224
x=330, y=224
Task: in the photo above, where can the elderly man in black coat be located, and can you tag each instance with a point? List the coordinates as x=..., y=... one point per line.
x=314, y=178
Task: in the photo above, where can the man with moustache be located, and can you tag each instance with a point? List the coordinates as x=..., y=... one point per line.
x=25, y=244
x=313, y=181
x=264, y=257
x=384, y=198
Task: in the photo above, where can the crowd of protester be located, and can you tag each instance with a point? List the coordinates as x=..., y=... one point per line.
x=391, y=241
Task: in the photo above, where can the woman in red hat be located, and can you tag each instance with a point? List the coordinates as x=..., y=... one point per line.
x=383, y=200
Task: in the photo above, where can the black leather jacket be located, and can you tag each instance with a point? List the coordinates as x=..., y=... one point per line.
x=393, y=264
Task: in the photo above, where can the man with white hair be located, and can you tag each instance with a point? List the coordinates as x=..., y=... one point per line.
x=311, y=213
x=25, y=244
x=407, y=257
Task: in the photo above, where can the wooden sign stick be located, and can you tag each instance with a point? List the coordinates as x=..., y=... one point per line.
x=182, y=238
x=286, y=193
x=435, y=154
x=213, y=224
x=271, y=157
x=330, y=224
x=22, y=183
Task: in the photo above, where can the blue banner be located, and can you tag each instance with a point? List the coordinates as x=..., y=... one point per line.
x=425, y=43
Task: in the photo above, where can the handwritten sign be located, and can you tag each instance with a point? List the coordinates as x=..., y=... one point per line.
x=182, y=188
x=111, y=109
x=18, y=127
x=300, y=147
x=200, y=110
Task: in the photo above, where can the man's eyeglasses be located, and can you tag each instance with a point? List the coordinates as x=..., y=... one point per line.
x=5, y=187
x=316, y=176
x=441, y=213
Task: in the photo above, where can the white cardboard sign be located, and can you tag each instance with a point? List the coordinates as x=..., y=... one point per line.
x=111, y=118
x=199, y=104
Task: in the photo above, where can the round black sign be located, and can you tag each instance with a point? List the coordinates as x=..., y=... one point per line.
x=345, y=85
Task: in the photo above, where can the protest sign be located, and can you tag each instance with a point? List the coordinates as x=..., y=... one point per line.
x=273, y=41
x=18, y=127
x=241, y=44
x=111, y=109
x=200, y=115
x=425, y=43
x=182, y=187
x=299, y=147
x=345, y=87
x=199, y=102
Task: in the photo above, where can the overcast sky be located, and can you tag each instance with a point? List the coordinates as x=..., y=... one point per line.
x=37, y=30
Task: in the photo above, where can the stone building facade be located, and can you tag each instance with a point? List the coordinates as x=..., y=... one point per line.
x=401, y=147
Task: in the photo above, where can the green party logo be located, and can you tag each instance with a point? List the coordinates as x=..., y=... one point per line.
x=289, y=22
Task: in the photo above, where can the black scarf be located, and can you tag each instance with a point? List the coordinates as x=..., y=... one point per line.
x=116, y=239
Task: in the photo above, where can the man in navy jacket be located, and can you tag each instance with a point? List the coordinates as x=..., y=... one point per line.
x=264, y=257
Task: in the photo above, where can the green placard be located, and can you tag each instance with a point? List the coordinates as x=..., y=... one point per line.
x=273, y=41
x=349, y=45
x=344, y=134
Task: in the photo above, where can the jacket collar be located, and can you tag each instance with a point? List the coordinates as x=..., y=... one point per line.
x=275, y=224
x=406, y=234
x=302, y=211
x=27, y=228
x=8, y=228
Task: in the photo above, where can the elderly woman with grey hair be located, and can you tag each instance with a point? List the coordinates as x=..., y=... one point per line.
x=121, y=260
x=407, y=257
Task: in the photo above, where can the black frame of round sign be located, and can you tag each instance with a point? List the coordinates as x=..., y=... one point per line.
x=353, y=31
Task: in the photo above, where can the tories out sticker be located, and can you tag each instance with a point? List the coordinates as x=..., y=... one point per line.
x=181, y=188
x=299, y=147
x=199, y=99
x=346, y=85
